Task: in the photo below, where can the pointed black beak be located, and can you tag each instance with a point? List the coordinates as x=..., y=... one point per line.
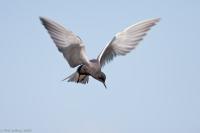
x=104, y=85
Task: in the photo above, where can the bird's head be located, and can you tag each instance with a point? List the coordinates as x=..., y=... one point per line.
x=102, y=78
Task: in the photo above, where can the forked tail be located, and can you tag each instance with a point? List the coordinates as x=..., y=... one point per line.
x=75, y=77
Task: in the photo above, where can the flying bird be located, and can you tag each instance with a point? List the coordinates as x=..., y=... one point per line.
x=73, y=48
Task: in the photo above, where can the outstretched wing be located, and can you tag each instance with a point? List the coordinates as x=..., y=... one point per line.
x=67, y=43
x=125, y=41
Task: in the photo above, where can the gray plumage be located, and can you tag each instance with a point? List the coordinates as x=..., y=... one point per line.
x=73, y=49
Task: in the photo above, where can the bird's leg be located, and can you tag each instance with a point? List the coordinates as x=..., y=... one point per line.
x=82, y=71
x=78, y=77
x=79, y=72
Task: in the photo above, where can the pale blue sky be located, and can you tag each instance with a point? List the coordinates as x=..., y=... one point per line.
x=155, y=89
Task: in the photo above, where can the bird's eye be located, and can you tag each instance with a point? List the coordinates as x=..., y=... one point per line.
x=101, y=78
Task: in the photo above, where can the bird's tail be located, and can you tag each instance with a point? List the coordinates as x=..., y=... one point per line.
x=75, y=77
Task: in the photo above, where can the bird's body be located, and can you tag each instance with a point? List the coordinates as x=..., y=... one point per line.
x=73, y=49
x=93, y=68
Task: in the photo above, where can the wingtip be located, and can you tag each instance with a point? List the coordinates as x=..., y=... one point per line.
x=158, y=19
x=42, y=19
x=155, y=20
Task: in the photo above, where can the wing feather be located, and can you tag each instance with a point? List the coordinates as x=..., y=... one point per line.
x=125, y=41
x=70, y=45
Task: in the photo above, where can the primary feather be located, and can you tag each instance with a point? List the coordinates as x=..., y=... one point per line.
x=67, y=43
x=125, y=41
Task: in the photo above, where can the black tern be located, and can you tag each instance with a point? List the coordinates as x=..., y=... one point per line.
x=73, y=48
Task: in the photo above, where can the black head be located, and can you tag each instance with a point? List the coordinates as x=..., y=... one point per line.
x=102, y=78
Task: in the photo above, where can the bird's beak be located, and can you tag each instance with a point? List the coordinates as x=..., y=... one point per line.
x=104, y=85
